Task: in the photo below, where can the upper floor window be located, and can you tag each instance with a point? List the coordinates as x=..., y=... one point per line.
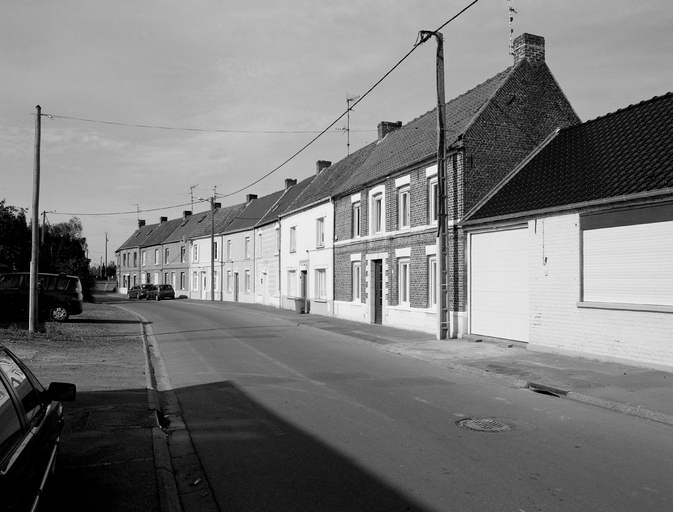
x=166, y=255
x=228, y=250
x=135, y=259
x=433, y=200
x=124, y=259
x=143, y=258
x=403, y=208
x=247, y=247
x=156, y=256
x=320, y=232
x=277, y=240
x=196, y=253
x=377, y=213
x=259, y=245
x=216, y=251
x=355, y=227
x=293, y=239
x=183, y=255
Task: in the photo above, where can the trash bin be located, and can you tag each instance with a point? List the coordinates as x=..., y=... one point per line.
x=299, y=305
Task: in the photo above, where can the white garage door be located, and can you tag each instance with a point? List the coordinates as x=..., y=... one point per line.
x=499, y=284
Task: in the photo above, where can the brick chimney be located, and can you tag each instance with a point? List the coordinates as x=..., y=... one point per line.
x=321, y=165
x=385, y=127
x=162, y=220
x=217, y=206
x=289, y=182
x=250, y=197
x=186, y=213
x=529, y=46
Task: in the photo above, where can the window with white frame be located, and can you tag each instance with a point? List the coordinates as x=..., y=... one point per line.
x=432, y=281
x=183, y=255
x=320, y=232
x=403, y=281
x=355, y=216
x=321, y=283
x=142, y=258
x=167, y=253
x=293, y=239
x=377, y=213
x=277, y=232
x=291, y=283
x=182, y=281
x=228, y=250
x=216, y=251
x=229, y=276
x=259, y=245
x=403, y=208
x=217, y=281
x=357, y=281
x=433, y=200
x=156, y=256
x=247, y=281
x=195, y=281
x=195, y=254
x=247, y=247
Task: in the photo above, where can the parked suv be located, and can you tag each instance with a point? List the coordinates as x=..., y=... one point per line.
x=59, y=295
x=31, y=419
x=139, y=291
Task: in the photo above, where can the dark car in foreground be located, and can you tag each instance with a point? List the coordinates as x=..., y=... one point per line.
x=59, y=296
x=139, y=291
x=160, y=292
x=31, y=419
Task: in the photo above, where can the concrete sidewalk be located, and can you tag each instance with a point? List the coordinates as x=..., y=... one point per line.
x=626, y=389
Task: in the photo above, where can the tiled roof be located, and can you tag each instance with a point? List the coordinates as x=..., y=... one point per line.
x=186, y=227
x=626, y=152
x=138, y=237
x=289, y=196
x=223, y=217
x=417, y=140
x=253, y=212
x=160, y=232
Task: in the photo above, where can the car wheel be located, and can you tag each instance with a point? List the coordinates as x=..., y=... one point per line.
x=58, y=314
x=157, y=297
x=128, y=296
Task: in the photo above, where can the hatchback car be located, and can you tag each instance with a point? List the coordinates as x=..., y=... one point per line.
x=59, y=295
x=161, y=291
x=31, y=419
x=139, y=291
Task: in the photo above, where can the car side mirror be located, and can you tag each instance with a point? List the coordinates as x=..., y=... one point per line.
x=62, y=391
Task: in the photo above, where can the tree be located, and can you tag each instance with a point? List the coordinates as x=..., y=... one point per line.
x=15, y=240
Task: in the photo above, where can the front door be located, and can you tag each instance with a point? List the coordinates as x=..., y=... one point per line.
x=378, y=291
x=204, y=285
x=235, y=286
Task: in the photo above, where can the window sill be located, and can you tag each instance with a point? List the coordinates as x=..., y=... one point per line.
x=651, y=308
x=320, y=301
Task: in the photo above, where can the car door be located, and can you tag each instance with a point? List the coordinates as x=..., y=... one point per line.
x=28, y=450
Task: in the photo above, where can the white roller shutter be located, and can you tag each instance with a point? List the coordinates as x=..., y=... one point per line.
x=499, y=284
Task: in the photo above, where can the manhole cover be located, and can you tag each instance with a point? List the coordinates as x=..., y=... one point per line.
x=485, y=425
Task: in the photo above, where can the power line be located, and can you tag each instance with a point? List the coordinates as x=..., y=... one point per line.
x=418, y=43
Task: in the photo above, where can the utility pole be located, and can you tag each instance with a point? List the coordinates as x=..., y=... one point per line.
x=35, y=253
x=211, y=200
x=106, y=241
x=443, y=303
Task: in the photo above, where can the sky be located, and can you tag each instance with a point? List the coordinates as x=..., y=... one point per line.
x=152, y=102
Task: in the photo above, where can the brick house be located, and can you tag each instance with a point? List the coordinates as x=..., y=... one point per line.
x=571, y=252
x=129, y=258
x=385, y=253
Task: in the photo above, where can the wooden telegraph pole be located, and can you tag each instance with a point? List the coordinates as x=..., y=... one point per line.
x=35, y=253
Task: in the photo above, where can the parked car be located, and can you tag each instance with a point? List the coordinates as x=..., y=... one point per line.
x=59, y=295
x=161, y=291
x=139, y=291
x=31, y=419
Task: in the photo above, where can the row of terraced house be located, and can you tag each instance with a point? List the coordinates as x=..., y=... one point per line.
x=559, y=233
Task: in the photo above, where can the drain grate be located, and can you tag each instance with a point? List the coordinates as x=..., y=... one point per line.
x=485, y=425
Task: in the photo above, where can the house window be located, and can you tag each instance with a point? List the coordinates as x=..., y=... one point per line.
x=166, y=281
x=355, y=226
x=217, y=281
x=228, y=250
x=320, y=232
x=321, y=283
x=135, y=259
x=403, y=281
x=626, y=258
x=247, y=247
x=166, y=255
x=377, y=213
x=357, y=281
x=142, y=260
x=182, y=280
x=293, y=239
x=291, y=283
x=195, y=281
x=433, y=201
x=124, y=259
x=216, y=251
x=229, y=276
x=183, y=255
x=277, y=240
x=259, y=245
x=433, y=278
x=156, y=256
x=403, y=208
x=196, y=253
x=247, y=281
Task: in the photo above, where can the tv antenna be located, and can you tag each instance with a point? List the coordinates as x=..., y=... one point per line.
x=512, y=11
x=349, y=100
x=191, y=194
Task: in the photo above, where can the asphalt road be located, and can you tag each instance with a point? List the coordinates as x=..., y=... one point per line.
x=286, y=417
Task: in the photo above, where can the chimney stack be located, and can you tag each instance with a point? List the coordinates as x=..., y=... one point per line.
x=217, y=206
x=321, y=165
x=141, y=223
x=530, y=47
x=162, y=220
x=186, y=213
x=385, y=127
x=289, y=182
x=250, y=197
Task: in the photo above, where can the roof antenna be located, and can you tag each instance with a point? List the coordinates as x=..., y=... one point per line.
x=512, y=12
x=349, y=100
x=191, y=193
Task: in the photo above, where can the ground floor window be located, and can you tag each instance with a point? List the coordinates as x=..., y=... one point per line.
x=195, y=281
x=357, y=281
x=229, y=280
x=247, y=281
x=321, y=283
x=433, y=278
x=403, y=281
x=292, y=283
x=182, y=280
